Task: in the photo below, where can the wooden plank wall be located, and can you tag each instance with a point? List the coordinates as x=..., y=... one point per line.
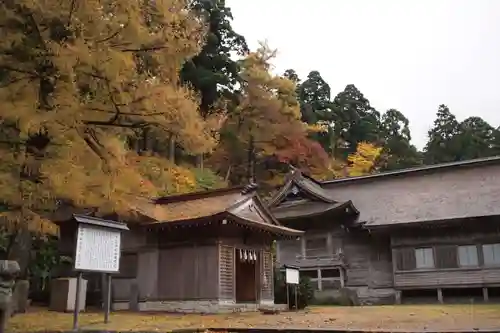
x=368, y=259
x=288, y=250
x=447, y=272
x=357, y=252
x=188, y=273
x=226, y=272
x=267, y=283
x=381, y=274
x=448, y=278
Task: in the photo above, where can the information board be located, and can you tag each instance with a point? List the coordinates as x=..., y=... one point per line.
x=97, y=249
x=292, y=275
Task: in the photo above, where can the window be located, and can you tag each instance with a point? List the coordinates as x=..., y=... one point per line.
x=316, y=247
x=467, y=255
x=424, y=258
x=491, y=254
x=330, y=273
x=312, y=274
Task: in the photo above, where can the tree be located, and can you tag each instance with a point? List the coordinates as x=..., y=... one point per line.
x=364, y=160
x=355, y=121
x=316, y=108
x=213, y=72
x=266, y=129
x=443, y=144
x=76, y=78
x=314, y=96
x=292, y=75
x=477, y=138
x=395, y=131
x=367, y=159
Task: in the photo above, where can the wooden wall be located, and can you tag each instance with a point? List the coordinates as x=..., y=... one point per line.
x=188, y=273
x=227, y=257
x=367, y=258
x=447, y=272
x=293, y=252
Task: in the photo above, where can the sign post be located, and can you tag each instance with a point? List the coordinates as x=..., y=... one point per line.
x=98, y=247
x=292, y=278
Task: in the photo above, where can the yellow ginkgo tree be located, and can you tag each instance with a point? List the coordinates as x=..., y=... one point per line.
x=77, y=78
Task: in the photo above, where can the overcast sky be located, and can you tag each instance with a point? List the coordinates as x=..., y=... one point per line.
x=411, y=55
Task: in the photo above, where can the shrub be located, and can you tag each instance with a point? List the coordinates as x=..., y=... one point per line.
x=305, y=291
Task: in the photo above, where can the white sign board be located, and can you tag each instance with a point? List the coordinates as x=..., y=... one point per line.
x=292, y=275
x=97, y=249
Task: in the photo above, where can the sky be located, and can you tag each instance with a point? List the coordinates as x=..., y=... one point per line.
x=411, y=55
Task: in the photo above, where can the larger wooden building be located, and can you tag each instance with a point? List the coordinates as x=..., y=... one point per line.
x=431, y=231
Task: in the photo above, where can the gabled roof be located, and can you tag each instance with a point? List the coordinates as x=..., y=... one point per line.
x=190, y=206
x=307, y=184
x=241, y=204
x=306, y=208
x=318, y=201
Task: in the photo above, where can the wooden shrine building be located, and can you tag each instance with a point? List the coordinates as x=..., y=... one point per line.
x=200, y=252
x=430, y=232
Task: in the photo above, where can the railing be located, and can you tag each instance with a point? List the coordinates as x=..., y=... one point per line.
x=319, y=260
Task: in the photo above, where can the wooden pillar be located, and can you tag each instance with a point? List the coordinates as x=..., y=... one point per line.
x=303, y=246
x=320, y=285
x=278, y=254
x=398, y=296
x=486, y=297
x=440, y=295
x=329, y=243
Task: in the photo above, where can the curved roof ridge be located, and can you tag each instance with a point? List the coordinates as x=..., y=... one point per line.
x=304, y=182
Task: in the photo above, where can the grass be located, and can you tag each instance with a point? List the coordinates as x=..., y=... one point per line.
x=401, y=317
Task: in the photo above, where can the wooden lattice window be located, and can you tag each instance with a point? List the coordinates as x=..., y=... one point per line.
x=267, y=276
x=405, y=259
x=226, y=272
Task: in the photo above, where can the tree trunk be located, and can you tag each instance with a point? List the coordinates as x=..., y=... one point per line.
x=228, y=173
x=171, y=149
x=251, y=161
x=199, y=161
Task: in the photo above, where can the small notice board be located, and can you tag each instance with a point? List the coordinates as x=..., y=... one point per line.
x=97, y=249
x=292, y=277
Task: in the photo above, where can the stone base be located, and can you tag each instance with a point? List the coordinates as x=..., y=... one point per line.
x=201, y=306
x=364, y=295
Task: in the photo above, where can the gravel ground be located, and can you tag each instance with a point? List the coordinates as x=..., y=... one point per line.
x=397, y=318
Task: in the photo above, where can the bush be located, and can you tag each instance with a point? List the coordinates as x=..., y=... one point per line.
x=305, y=291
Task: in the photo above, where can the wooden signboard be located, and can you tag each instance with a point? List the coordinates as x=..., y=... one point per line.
x=98, y=247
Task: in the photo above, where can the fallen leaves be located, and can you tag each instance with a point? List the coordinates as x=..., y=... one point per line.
x=448, y=317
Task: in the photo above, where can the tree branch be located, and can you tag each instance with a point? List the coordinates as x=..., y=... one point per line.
x=108, y=124
x=127, y=113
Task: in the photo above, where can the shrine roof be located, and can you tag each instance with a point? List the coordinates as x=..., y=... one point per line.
x=305, y=208
x=302, y=182
x=241, y=204
x=302, y=196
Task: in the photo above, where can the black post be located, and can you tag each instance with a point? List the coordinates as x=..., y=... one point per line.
x=288, y=296
x=107, y=302
x=296, y=297
x=76, y=310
